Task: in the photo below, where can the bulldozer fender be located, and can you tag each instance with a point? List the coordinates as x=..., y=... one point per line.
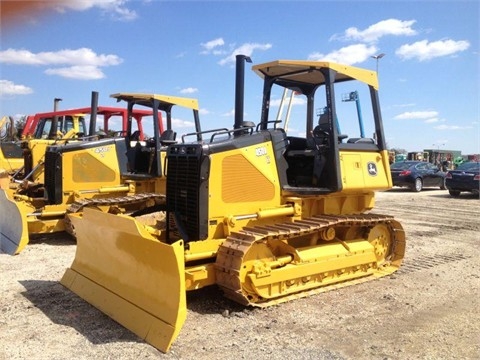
x=129, y=275
x=13, y=225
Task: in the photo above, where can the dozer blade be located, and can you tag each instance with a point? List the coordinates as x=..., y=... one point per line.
x=13, y=226
x=129, y=275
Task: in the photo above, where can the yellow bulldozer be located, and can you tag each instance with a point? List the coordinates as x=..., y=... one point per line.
x=125, y=172
x=39, y=131
x=265, y=216
x=22, y=150
x=19, y=152
x=43, y=130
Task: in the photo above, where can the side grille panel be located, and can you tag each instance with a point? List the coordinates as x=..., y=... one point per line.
x=186, y=188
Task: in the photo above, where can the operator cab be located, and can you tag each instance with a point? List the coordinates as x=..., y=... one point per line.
x=322, y=146
x=144, y=154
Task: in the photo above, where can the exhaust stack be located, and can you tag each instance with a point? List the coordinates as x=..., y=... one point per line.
x=93, y=114
x=240, y=89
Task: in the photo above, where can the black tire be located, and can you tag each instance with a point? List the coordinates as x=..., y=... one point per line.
x=417, y=185
x=454, y=193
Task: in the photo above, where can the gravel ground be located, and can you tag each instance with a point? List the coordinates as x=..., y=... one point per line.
x=426, y=310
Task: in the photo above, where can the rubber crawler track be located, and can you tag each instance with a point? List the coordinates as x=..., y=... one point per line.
x=136, y=199
x=232, y=252
x=111, y=201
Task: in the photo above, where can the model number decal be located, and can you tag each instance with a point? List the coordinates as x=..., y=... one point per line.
x=261, y=151
x=101, y=149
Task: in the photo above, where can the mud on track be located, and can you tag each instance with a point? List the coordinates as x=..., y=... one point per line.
x=427, y=310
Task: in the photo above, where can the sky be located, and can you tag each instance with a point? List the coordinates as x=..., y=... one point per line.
x=429, y=76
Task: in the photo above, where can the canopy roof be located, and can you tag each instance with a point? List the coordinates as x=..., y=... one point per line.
x=301, y=71
x=146, y=100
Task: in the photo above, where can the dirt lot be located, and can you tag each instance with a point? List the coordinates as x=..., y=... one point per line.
x=427, y=310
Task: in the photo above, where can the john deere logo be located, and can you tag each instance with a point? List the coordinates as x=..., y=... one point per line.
x=372, y=169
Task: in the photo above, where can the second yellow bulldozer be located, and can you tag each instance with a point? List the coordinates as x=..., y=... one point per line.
x=125, y=172
x=266, y=216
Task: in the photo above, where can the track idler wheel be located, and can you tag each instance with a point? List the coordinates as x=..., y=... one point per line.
x=388, y=241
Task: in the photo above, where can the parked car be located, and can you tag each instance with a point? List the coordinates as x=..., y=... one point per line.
x=417, y=175
x=466, y=177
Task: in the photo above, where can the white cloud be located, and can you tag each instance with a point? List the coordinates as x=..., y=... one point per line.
x=452, y=127
x=416, y=115
x=217, y=47
x=179, y=123
x=79, y=72
x=188, y=90
x=246, y=49
x=115, y=8
x=8, y=87
x=230, y=113
x=382, y=28
x=82, y=56
x=295, y=101
x=348, y=55
x=81, y=63
x=404, y=105
x=210, y=45
x=424, y=50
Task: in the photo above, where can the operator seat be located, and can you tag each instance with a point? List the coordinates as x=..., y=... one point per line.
x=321, y=132
x=135, y=136
x=168, y=137
x=319, y=142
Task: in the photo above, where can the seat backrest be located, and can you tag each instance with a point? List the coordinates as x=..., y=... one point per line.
x=323, y=123
x=135, y=136
x=361, y=140
x=168, y=135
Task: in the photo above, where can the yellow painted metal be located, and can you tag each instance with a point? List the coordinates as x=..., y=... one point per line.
x=4, y=179
x=301, y=71
x=189, y=103
x=107, y=190
x=10, y=164
x=45, y=226
x=319, y=266
x=136, y=279
x=232, y=189
x=3, y=121
x=277, y=212
x=91, y=169
x=197, y=277
x=380, y=238
x=13, y=226
x=22, y=217
x=48, y=219
x=232, y=194
x=38, y=148
x=354, y=165
x=280, y=268
x=200, y=250
x=123, y=267
x=93, y=174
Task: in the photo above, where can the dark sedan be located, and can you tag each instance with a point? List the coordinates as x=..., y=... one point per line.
x=466, y=177
x=417, y=175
